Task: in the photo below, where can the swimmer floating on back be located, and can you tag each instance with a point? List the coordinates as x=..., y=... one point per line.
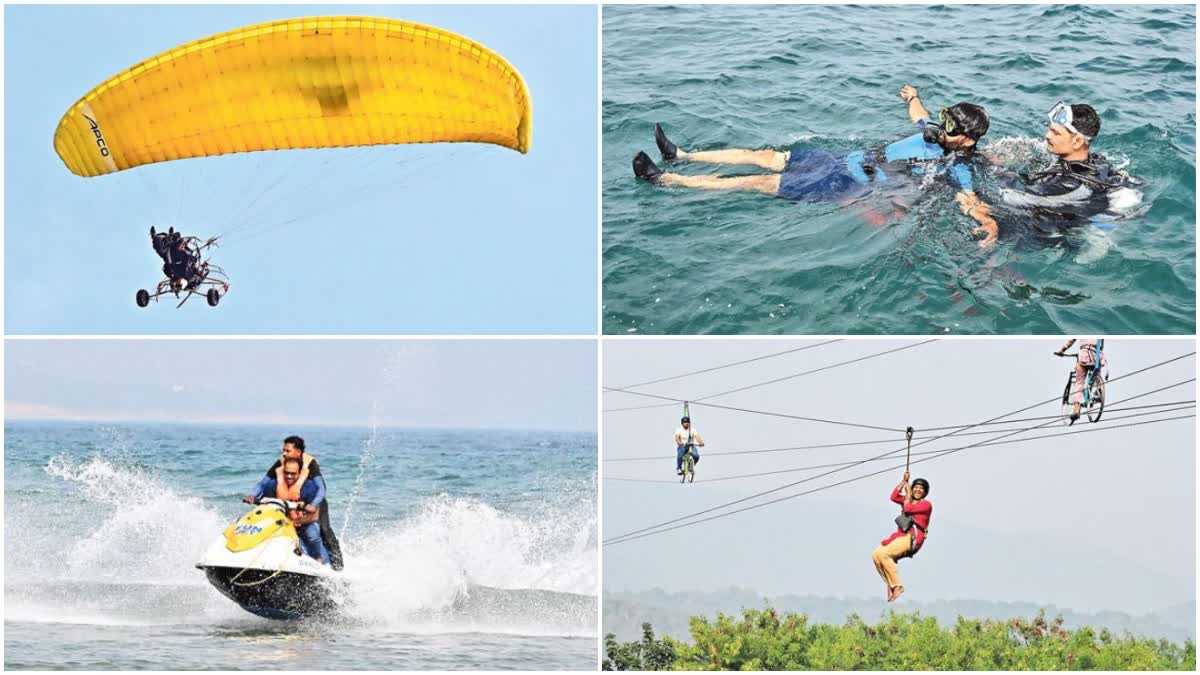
x=809, y=174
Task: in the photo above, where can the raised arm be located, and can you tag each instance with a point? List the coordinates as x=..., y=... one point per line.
x=916, y=109
x=900, y=492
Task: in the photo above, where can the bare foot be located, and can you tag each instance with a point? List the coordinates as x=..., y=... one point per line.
x=896, y=593
x=890, y=596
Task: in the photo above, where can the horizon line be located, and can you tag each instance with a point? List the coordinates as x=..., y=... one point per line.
x=259, y=423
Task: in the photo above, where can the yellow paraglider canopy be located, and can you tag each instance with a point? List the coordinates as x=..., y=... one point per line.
x=298, y=83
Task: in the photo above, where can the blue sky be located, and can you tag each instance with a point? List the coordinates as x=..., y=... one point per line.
x=463, y=384
x=451, y=238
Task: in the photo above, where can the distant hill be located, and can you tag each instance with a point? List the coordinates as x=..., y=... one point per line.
x=624, y=612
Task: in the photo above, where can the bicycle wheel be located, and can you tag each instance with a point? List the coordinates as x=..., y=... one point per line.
x=1096, y=398
x=687, y=468
x=1067, y=408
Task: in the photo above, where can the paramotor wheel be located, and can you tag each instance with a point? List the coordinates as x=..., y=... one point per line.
x=1067, y=408
x=1096, y=398
x=143, y=297
x=214, y=296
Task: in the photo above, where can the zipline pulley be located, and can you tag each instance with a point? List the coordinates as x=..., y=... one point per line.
x=908, y=434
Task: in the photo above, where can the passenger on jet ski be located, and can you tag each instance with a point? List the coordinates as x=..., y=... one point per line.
x=310, y=470
x=309, y=493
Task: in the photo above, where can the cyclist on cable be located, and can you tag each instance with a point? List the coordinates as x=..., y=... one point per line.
x=1090, y=355
x=687, y=439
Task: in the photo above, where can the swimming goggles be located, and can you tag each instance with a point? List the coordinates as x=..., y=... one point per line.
x=1061, y=115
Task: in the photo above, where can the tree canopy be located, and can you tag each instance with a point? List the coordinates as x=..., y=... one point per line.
x=766, y=640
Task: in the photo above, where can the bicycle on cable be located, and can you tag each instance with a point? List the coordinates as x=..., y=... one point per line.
x=687, y=439
x=687, y=473
x=1084, y=392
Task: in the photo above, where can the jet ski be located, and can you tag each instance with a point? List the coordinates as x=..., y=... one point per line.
x=258, y=563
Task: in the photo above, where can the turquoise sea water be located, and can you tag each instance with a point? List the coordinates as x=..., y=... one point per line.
x=464, y=549
x=687, y=261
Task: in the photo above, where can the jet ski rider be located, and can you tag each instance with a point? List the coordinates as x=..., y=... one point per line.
x=309, y=494
x=310, y=472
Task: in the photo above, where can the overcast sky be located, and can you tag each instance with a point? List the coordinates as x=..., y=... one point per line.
x=464, y=384
x=1068, y=493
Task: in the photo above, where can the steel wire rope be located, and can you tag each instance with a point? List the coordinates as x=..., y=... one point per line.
x=633, y=534
x=818, y=489
x=814, y=467
x=675, y=401
x=966, y=426
x=730, y=365
x=646, y=458
x=627, y=390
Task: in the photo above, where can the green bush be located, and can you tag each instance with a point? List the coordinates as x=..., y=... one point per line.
x=765, y=640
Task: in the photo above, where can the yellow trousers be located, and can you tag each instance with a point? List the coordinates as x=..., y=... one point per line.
x=885, y=558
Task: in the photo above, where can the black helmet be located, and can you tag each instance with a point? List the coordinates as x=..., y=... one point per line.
x=685, y=418
x=923, y=483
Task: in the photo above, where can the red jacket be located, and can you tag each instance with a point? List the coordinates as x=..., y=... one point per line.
x=920, y=512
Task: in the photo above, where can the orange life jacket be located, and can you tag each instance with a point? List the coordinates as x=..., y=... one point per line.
x=292, y=494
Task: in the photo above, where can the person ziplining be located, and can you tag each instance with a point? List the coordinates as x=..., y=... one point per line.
x=912, y=526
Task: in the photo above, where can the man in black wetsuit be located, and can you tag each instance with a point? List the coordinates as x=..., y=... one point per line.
x=1081, y=185
x=293, y=448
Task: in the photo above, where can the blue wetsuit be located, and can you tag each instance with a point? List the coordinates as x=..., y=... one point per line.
x=312, y=492
x=819, y=175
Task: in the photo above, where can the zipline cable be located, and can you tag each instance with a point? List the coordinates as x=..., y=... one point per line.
x=763, y=384
x=866, y=426
x=890, y=469
x=815, y=370
x=729, y=365
x=646, y=532
x=908, y=434
x=818, y=489
x=763, y=412
x=814, y=467
x=658, y=458
x=892, y=452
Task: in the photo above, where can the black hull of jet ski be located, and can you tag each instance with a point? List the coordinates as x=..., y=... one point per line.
x=274, y=594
